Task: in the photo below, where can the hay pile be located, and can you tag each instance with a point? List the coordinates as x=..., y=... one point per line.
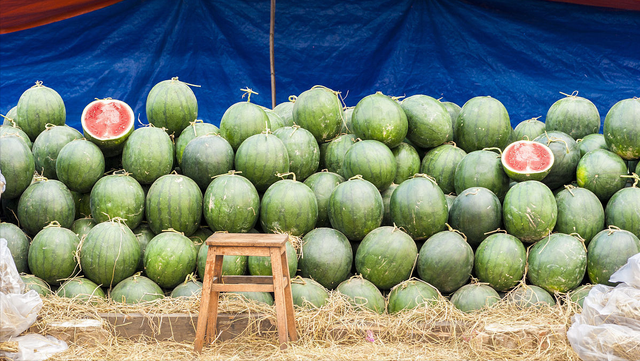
x=337, y=331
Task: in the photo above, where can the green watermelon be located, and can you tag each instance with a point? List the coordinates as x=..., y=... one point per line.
x=322, y=184
x=18, y=168
x=371, y=159
x=500, y=261
x=169, y=258
x=288, y=206
x=557, y=263
x=475, y=212
x=336, y=152
x=308, y=293
x=579, y=294
x=9, y=118
x=148, y=154
x=474, y=297
x=118, y=195
x=386, y=203
x=441, y=163
x=241, y=121
x=591, y=142
x=195, y=129
x=623, y=210
x=573, y=115
x=200, y=236
x=231, y=203
x=144, y=235
x=379, y=117
x=430, y=124
x=6, y=130
x=483, y=122
x=319, y=111
x=43, y=202
x=260, y=158
x=32, y=282
x=187, y=289
x=136, y=289
x=347, y=126
x=445, y=261
x=411, y=294
x=566, y=154
x=37, y=107
x=454, y=111
x=530, y=296
x=261, y=266
x=79, y=165
x=608, y=251
x=48, y=145
x=174, y=202
x=52, y=254
x=407, y=162
x=529, y=129
x=108, y=123
x=285, y=111
x=418, y=206
x=206, y=157
x=109, y=253
x=355, y=208
x=275, y=120
x=303, y=150
x=80, y=289
x=231, y=265
x=482, y=168
x=579, y=211
x=529, y=211
x=622, y=130
x=527, y=160
x=362, y=294
x=599, y=171
x=82, y=226
x=326, y=257
x=171, y=105
x=18, y=243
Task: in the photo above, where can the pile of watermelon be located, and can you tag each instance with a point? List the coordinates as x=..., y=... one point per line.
x=397, y=203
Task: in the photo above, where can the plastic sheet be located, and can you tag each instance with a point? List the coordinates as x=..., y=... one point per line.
x=34, y=347
x=629, y=273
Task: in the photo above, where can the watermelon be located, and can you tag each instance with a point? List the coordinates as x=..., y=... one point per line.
x=623, y=210
x=288, y=206
x=608, y=251
x=454, y=110
x=206, y=157
x=336, y=152
x=260, y=158
x=407, y=162
x=371, y=159
x=18, y=244
x=303, y=150
x=362, y=294
x=386, y=257
x=430, y=124
x=80, y=289
x=475, y=212
x=144, y=235
x=322, y=184
x=347, y=126
x=32, y=282
x=622, y=130
x=566, y=154
x=319, y=110
x=529, y=211
x=418, y=206
x=411, y=294
x=231, y=203
x=579, y=211
x=118, y=195
x=47, y=146
x=169, y=258
x=136, y=289
x=326, y=257
x=355, y=208
x=557, y=263
x=275, y=120
x=148, y=154
x=52, y=254
x=82, y=226
x=171, y=105
x=285, y=111
x=445, y=261
x=231, y=265
x=37, y=107
x=482, y=168
x=12, y=130
x=500, y=261
x=187, y=289
x=579, y=294
x=174, y=201
x=195, y=129
x=483, y=122
x=18, y=168
x=529, y=129
x=108, y=123
x=379, y=117
x=43, y=202
x=241, y=121
x=441, y=163
x=308, y=293
x=527, y=160
x=386, y=203
x=573, y=115
x=474, y=297
x=591, y=142
x=599, y=171
x=261, y=265
x=10, y=117
x=109, y=253
x=200, y=236
x=79, y=165
x=261, y=297
x=530, y=296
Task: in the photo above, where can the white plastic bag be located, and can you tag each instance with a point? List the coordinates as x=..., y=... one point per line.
x=603, y=342
x=618, y=305
x=10, y=281
x=629, y=273
x=34, y=347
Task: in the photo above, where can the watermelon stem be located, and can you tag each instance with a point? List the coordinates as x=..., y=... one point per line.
x=498, y=230
x=53, y=224
x=612, y=229
x=172, y=230
x=574, y=94
x=632, y=176
x=10, y=120
x=283, y=175
x=292, y=98
x=422, y=175
x=582, y=240
x=569, y=188
x=248, y=91
x=552, y=139
x=38, y=84
x=175, y=78
x=451, y=229
x=494, y=148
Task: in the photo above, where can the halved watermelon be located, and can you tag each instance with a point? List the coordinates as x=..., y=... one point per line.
x=527, y=160
x=108, y=123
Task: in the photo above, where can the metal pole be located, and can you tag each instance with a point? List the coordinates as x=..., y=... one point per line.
x=271, y=54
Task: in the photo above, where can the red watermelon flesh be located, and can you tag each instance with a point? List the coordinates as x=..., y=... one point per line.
x=527, y=160
x=107, y=119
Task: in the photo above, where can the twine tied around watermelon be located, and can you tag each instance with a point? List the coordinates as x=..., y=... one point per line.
x=248, y=91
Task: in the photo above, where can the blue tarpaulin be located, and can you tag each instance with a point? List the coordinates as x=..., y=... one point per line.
x=523, y=53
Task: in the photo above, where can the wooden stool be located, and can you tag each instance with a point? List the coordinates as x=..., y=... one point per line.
x=246, y=244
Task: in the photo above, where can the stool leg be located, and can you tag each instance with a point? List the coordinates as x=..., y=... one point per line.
x=278, y=291
x=288, y=299
x=213, y=300
x=205, y=301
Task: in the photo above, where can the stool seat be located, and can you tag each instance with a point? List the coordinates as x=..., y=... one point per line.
x=246, y=244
